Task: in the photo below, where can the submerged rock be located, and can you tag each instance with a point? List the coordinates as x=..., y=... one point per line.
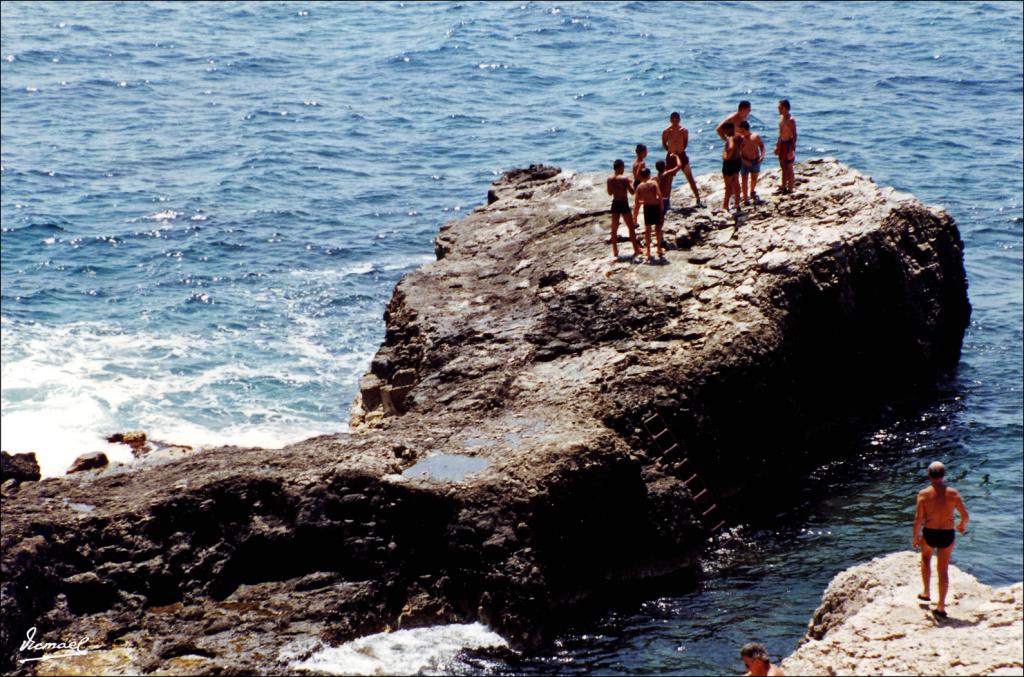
x=599, y=410
x=870, y=622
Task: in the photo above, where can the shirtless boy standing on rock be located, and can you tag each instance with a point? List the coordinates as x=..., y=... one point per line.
x=639, y=164
x=785, y=148
x=648, y=196
x=752, y=155
x=935, y=506
x=619, y=187
x=674, y=140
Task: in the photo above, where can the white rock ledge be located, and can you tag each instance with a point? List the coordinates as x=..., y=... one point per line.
x=870, y=622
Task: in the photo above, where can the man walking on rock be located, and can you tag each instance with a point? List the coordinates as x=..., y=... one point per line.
x=935, y=506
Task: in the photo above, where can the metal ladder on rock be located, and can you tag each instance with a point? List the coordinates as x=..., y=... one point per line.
x=665, y=442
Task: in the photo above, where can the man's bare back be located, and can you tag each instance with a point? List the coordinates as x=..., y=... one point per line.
x=647, y=193
x=619, y=186
x=933, y=531
x=753, y=148
x=937, y=505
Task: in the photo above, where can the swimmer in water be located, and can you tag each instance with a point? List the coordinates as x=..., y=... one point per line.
x=757, y=661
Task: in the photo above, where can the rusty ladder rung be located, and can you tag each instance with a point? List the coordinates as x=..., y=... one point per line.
x=686, y=483
x=718, y=526
x=652, y=417
x=700, y=495
x=709, y=510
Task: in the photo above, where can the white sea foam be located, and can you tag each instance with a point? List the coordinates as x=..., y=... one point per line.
x=403, y=652
x=59, y=433
x=67, y=387
x=361, y=268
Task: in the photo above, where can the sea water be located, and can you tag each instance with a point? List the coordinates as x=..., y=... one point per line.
x=205, y=208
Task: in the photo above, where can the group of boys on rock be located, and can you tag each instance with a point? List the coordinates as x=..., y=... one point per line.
x=741, y=158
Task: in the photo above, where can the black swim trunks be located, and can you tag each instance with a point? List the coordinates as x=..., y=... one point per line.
x=683, y=160
x=938, y=538
x=785, y=148
x=731, y=167
x=652, y=214
x=620, y=206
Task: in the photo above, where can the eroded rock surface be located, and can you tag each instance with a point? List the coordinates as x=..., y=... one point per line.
x=527, y=348
x=19, y=467
x=870, y=622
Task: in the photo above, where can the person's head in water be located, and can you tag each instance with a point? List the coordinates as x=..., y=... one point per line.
x=755, y=658
x=660, y=166
x=936, y=471
x=729, y=128
x=618, y=166
x=641, y=150
x=743, y=108
x=674, y=118
x=745, y=128
x=783, y=104
x=645, y=173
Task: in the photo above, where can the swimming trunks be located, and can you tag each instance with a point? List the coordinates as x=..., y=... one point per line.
x=652, y=214
x=785, y=148
x=731, y=167
x=683, y=160
x=636, y=183
x=750, y=167
x=938, y=538
x=620, y=206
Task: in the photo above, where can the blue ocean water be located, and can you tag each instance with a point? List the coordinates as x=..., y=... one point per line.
x=205, y=207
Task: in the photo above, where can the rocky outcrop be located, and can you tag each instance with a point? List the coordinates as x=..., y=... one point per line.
x=18, y=467
x=90, y=461
x=135, y=439
x=870, y=622
x=543, y=429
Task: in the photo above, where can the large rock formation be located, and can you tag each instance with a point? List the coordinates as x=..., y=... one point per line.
x=870, y=622
x=542, y=429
